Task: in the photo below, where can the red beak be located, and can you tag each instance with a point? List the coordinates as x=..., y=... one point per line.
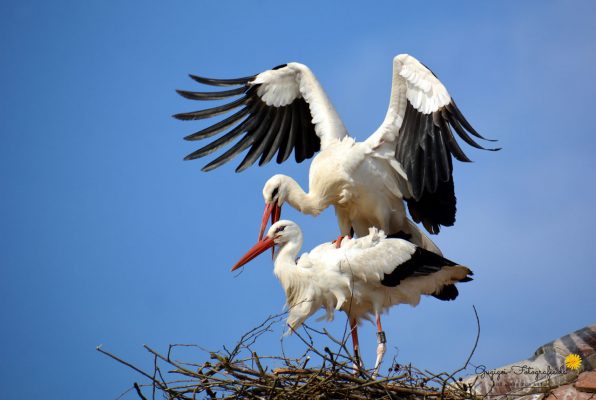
x=271, y=210
x=257, y=249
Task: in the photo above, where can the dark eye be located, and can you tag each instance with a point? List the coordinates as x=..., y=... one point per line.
x=275, y=191
x=281, y=228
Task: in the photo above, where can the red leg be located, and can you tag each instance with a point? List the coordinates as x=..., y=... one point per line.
x=354, y=331
x=356, y=346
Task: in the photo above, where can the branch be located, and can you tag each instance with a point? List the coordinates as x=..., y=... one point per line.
x=242, y=373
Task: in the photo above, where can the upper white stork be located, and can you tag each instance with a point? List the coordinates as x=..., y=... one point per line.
x=363, y=277
x=407, y=157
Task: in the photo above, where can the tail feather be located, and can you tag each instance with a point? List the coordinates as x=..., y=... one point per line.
x=450, y=292
x=422, y=262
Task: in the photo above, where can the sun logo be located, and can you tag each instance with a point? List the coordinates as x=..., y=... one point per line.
x=573, y=362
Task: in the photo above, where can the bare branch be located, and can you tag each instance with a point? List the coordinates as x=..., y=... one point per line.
x=240, y=372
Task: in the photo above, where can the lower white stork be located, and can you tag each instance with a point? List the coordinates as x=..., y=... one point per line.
x=363, y=277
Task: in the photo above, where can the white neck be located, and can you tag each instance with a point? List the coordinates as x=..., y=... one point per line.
x=284, y=260
x=306, y=203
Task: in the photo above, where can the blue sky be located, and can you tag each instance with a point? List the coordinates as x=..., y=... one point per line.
x=108, y=237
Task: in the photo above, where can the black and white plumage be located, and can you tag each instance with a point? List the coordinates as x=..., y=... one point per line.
x=409, y=157
x=275, y=120
x=364, y=277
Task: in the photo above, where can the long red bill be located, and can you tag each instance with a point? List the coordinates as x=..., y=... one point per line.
x=271, y=210
x=276, y=213
x=257, y=249
x=268, y=211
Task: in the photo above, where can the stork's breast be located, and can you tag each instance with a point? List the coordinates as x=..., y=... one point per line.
x=330, y=176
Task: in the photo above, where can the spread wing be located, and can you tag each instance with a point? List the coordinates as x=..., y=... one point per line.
x=279, y=111
x=419, y=131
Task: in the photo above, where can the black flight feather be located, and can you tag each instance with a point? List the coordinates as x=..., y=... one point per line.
x=219, y=127
x=278, y=136
x=269, y=129
x=259, y=142
x=284, y=133
x=211, y=95
x=212, y=112
x=271, y=136
x=422, y=263
x=222, y=82
x=223, y=140
x=425, y=146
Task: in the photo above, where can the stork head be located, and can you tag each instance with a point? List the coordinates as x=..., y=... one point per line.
x=275, y=190
x=284, y=231
x=275, y=193
x=280, y=233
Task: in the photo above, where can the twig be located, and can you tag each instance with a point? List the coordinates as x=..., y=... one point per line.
x=450, y=377
x=138, y=389
x=241, y=373
x=121, y=361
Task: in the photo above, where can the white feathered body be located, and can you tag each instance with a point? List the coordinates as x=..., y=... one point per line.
x=349, y=278
x=365, y=187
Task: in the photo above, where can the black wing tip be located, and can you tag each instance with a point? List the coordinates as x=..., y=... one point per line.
x=212, y=165
x=435, y=210
x=196, y=154
x=182, y=117
x=218, y=162
x=452, y=107
x=218, y=95
x=195, y=115
x=283, y=149
x=199, y=79
x=190, y=157
x=221, y=82
x=187, y=94
x=481, y=148
x=490, y=148
x=214, y=111
x=241, y=167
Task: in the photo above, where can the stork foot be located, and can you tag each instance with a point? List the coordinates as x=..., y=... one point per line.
x=381, y=348
x=339, y=239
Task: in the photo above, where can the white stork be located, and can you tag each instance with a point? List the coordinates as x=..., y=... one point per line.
x=407, y=157
x=363, y=277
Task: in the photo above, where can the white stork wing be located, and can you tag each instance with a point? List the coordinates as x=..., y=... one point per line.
x=389, y=260
x=370, y=257
x=282, y=109
x=418, y=131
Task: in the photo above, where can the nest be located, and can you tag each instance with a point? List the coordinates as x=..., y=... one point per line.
x=240, y=373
